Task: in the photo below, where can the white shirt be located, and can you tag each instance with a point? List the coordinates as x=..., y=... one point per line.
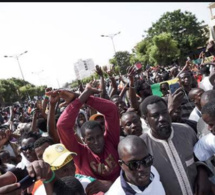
x=194, y=114
x=144, y=125
x=205, y=147
x=154, y=188
x=205, y=84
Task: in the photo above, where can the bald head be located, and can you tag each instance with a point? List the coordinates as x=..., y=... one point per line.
x=207, y=96
x=194, y=91
x=130, y=144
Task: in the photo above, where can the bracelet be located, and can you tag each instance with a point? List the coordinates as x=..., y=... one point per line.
x=51, y=179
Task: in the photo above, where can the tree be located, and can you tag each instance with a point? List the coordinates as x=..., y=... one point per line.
x=164, y=49
x=13, y=89
x=141, y=52
x=121, y=59
x=184, y=28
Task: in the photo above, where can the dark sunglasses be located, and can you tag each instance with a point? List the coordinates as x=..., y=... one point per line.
x=28, y=147
x=147, y=161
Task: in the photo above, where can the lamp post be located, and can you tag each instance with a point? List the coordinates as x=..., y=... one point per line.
x=17, y=58
x=111, y=36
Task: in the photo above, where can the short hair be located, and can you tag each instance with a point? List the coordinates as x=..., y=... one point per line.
x=165, y=76
x=89, y=125
x=42, y=124
x=130, y=141
x=194, y=90
x=208, y=95
x=43, y=140
x=165, y=83
x=68, y=185
x=209, y=108
x=184, y=72
x=30, y=134
x=115, y=96
x=138, y=86
x=205, y=70
x=149, y=100
x=129, y=113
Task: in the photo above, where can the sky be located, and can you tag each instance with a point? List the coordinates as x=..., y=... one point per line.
x=56, y=35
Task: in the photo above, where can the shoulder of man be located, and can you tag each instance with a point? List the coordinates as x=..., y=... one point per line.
x=182, y=128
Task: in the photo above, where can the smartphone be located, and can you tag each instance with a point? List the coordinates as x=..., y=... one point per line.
x=188, y=58
x=27, y=182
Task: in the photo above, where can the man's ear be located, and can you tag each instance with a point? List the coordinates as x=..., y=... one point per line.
x=120, y=162
x=145, y=119
x=82, y=139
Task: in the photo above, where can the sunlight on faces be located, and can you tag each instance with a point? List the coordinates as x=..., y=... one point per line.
x=94, y=138
x=140, y=175
x=159, y=120
x=131, y=124
x=27, y=147
x=210, y=121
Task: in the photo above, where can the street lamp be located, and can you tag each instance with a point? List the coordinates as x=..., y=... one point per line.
x=111, y=36
x=17, y=58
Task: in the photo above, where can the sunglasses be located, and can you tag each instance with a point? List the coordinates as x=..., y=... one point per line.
x=147, y=161
x=28, y=147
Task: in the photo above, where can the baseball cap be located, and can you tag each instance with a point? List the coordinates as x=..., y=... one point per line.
x=94, y=116
x=57, y=156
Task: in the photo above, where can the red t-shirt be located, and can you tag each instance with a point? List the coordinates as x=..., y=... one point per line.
x=104, y=166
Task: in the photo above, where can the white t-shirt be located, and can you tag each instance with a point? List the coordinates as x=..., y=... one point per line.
x=195, y=115
x=205, y=84
x=154, y=188
x=205, y=147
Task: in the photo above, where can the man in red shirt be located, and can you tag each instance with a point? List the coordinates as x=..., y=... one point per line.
x=98, y=157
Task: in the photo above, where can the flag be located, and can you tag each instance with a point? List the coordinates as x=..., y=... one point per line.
x=173, y=85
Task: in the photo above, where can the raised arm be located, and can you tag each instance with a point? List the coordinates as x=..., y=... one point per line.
x=102, y=83
x=51, y=124
x=110, y=112
x=132, y=93
x=113, y=84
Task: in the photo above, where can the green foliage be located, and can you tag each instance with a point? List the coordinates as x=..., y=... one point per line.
x=74, y=84
x=13, y=89
x=164, y=49
x=121, y=59
x=184, y=28
x=141, y=51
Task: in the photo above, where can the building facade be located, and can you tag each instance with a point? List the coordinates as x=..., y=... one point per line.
x=84, y=68
x=212, y=21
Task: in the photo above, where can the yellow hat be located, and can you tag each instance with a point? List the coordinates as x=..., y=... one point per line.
x=94, y=116
x=57, y=156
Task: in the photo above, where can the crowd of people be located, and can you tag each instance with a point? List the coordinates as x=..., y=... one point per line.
x=114, y=136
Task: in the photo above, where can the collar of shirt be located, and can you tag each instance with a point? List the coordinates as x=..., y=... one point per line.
x=131, y=189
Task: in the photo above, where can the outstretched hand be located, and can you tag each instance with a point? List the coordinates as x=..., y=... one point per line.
x=55, y=95
x=91, y=89
x=175, y=99
x=99, y=71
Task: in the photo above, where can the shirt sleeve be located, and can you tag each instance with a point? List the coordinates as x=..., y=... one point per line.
x=110, y=112
x=65, y=126
x=205, y=147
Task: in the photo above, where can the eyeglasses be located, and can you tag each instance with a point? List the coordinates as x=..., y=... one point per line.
x=28, y=147
x=147, y=161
